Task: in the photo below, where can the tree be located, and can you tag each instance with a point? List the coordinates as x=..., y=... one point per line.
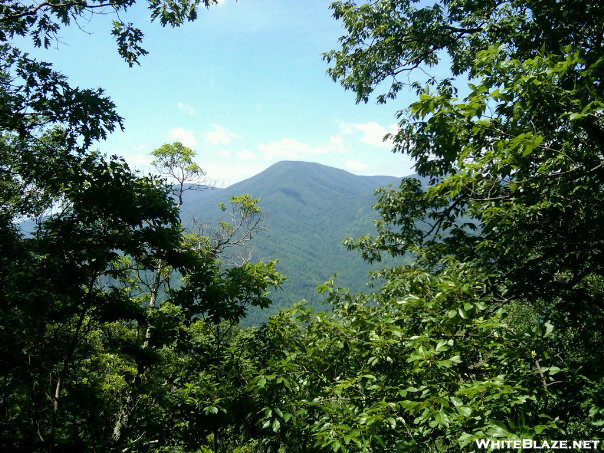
x=34, y=96
x=182, y=345
x=59, y=294
x=493, y=329
x=520, y=158
x=75, y=229
x=175, y=162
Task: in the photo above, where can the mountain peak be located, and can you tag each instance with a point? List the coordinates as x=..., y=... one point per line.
x=309, y=210
x=301, y=166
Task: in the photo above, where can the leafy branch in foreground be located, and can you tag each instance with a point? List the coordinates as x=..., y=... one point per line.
x=494, y=329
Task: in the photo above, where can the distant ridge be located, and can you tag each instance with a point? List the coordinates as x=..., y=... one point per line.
x=309, y=209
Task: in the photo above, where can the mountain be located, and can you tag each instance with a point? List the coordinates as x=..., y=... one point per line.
x=309, y=210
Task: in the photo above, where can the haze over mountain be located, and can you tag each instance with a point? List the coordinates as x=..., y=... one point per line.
x=309, y=210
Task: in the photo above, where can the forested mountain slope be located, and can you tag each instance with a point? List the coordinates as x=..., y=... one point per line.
x=309, y=210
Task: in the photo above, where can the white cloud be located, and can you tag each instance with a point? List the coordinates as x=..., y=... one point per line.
x=223, y=153
x=184, y=136
x=337, y=142
x=138, y=161
x=188, y=109
x=140, y=147
x=355, y=165
x=227, y=173
x=372, y=132
x=219, y=135
x=246, y=154
x=288, y=148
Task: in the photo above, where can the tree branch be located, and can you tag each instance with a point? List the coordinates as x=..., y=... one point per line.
x=33, y=11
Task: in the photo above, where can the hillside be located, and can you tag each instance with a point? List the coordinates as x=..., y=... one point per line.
x=309, y=210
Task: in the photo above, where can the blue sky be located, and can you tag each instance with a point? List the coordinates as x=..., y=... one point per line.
x=244, y=86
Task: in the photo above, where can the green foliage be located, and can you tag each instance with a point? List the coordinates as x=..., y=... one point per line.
x=100, y=338
x=492, y=331
x=423, y=366
x=120, y=329
x=509, y=226
x=176, y=160
x=95, y=343
x=175, y=163
x=57, y=293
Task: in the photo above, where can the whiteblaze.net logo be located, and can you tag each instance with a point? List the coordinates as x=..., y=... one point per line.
x=530, y=444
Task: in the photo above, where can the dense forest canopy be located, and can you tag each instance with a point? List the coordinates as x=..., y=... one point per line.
x=120, y=328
